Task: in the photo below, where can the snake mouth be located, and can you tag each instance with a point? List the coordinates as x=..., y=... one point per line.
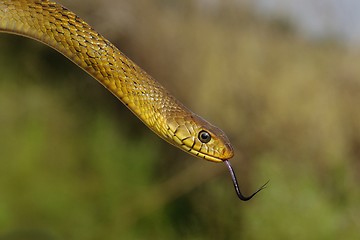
x=218, y=152
x=226, y=154
x=208, y=157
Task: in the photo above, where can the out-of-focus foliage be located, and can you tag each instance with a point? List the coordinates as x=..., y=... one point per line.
x=76, y=164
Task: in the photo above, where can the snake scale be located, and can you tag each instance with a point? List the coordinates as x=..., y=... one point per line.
x=61, y=29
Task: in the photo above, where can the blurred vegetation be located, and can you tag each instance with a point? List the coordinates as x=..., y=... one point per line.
x=76, y=164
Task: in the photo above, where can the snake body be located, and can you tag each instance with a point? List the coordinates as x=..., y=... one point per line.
x=61, y=29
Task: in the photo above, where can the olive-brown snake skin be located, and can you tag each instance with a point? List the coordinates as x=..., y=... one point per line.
x=61, y=29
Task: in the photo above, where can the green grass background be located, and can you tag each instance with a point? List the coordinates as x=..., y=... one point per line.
x=76, y=164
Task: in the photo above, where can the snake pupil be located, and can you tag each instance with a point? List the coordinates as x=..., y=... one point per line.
x=204, y=136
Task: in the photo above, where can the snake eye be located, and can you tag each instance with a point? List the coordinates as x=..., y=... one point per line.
x=204, y=136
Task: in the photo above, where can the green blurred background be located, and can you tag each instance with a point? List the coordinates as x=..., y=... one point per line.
x=76, y=164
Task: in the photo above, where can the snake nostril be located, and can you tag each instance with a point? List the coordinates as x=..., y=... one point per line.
x=227, y=151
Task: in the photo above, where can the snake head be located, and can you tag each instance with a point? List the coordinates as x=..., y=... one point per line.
x=195, y=135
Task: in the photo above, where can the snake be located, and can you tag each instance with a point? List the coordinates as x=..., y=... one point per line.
x=56, y=26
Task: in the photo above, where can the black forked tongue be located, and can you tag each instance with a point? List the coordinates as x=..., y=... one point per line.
x=236, y=185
